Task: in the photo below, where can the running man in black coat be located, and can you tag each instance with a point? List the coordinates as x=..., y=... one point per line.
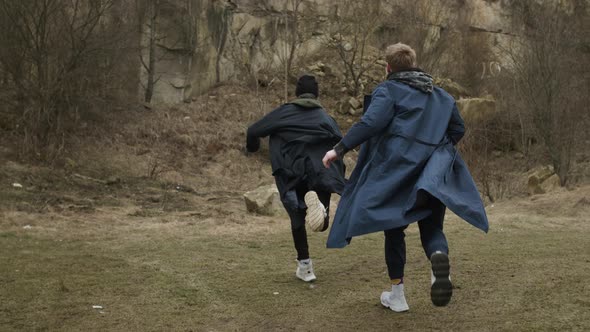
x=300, y=133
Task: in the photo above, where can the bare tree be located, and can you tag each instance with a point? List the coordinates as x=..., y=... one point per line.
x=150, y=67
x=58, y=56
x=286, y=40
x=550, y=66
x=294, y=29
x=355, y=24
x=218, y=18
x=292, y=32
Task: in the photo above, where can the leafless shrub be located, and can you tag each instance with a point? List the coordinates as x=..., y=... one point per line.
x=60, y=58
x=291, y=36
x=550, y=67
x=156, y=166
x=484, y=138
x=354, y=27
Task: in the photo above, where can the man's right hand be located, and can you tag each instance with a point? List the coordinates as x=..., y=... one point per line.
x=329, y=158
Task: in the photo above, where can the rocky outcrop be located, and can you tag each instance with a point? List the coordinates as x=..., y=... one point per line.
x=205, y=42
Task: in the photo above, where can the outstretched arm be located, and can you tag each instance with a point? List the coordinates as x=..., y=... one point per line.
x=262, y=128
x=378, y=116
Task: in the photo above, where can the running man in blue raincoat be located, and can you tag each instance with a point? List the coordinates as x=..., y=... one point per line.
x=407, y=170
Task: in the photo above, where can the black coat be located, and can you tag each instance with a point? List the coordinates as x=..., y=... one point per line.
x=301, y=132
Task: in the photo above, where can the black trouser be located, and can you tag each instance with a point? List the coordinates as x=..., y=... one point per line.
x=298, y=220
x=431, y=235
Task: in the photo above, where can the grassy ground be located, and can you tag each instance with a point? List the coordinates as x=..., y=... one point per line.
x=215, y=268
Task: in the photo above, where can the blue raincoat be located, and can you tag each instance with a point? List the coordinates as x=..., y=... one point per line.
x=408, y=154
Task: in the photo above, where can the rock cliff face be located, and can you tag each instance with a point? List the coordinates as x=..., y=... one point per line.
x=204, y=42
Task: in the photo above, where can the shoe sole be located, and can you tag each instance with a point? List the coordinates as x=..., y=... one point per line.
x=314, y=216
x=442, y=288
x=314, y=278
x=326, y=224
x=310, y=280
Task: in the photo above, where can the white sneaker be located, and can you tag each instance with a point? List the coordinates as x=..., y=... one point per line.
x=316, y=213
x=305, y=271
x=441, y=289
x=395, y=300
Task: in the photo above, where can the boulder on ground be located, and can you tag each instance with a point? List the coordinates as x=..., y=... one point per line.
x=542, y=180
x=476, y=109
x=552, y=183
x=264, y=200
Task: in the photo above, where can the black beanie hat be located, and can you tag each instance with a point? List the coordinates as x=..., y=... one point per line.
x=307, y=84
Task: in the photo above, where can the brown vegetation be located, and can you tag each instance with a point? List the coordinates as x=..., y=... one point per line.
x=60, y=60
x=548, y=75
x=53, y=88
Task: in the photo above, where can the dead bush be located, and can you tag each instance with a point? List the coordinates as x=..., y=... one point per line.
x=354, y=28
x=550, y=76
x=59, y=60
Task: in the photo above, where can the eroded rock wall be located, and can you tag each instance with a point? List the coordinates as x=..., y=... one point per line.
x=204, y=42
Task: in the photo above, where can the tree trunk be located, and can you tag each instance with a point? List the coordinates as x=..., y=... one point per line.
x=151, y=70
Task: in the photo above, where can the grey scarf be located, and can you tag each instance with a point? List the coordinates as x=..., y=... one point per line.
x=415, y=78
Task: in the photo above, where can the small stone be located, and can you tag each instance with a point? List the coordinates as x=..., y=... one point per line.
x=355, y=112
x=184, y=139
x=113, y=180
x=354, y=103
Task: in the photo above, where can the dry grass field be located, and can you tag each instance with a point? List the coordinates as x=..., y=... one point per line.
x=158, y=259
x=144, y=218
